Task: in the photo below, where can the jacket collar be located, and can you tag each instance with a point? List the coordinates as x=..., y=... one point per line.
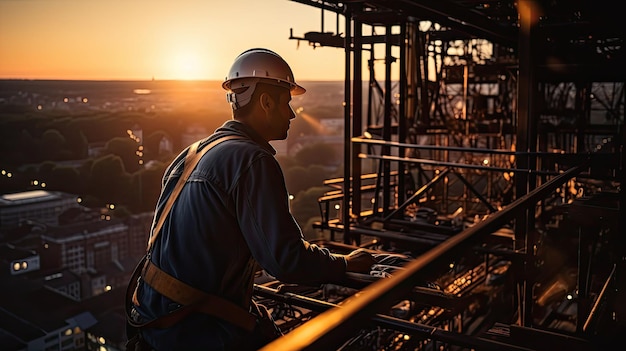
x=235, y=127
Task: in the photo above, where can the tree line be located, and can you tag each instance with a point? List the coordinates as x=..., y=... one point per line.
x=53, y=148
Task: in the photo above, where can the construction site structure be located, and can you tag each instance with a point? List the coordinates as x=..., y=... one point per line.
x=483, y=166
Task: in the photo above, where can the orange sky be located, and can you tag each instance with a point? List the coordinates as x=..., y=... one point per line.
x=164, y=39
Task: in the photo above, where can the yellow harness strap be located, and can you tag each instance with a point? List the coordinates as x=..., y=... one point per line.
x=201, y=301
x=191, y=298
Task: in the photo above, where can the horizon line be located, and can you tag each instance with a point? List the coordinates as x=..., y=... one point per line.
x=143, y=80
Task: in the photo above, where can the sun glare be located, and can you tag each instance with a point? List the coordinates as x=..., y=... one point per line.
x=187, y=66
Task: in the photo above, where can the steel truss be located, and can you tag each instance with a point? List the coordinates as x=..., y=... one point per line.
x=491, y=150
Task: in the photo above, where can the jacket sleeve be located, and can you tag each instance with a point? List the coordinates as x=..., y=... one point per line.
x=273, y=236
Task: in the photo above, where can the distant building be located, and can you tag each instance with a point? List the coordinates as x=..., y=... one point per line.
x=95, y=150
x=58, y=234
x=84, y=247
x=35, y=317
x=65, y=282
x=64, y=277
x=138, y=233
x=37, y=205
x=15, y=260
x=166, y=145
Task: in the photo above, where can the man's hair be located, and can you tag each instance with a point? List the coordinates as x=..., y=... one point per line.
x=272, y=89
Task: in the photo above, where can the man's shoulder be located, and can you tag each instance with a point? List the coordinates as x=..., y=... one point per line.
x=238, y=141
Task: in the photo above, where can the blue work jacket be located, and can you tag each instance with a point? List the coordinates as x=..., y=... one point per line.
x=231, y=217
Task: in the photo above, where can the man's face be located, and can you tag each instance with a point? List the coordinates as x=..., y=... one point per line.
x=280, y=116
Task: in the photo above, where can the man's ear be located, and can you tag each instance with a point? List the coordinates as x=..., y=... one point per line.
x=266, y=101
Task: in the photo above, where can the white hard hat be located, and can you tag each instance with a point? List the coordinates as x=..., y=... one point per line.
x=253, y=66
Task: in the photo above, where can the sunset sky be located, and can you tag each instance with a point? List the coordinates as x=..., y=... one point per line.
x=160, y=39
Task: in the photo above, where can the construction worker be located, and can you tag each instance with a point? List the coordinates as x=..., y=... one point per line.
x=230, y=217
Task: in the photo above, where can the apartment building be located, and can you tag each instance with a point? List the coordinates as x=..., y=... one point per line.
x=64, y=271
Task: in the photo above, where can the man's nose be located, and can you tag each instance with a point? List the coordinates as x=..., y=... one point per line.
x=293, y=113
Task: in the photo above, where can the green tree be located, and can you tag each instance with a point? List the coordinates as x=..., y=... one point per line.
x=311, y=233
x=286, y=162
x=305, y=206
x=65, y=179
x=147, y=186
x=317, y=154
x=295, y=179
x=29, y=147
x=317, y=175
x=299, y=178
x=152, y=144
x=52, y=144
x=126, y=149
x=76, y=141
x=85, y=168
x=45, y=170
x=109, y=180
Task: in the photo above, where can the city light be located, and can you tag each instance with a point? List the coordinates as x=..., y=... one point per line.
x=291, y=197
x=136, y=138
x=36, y=182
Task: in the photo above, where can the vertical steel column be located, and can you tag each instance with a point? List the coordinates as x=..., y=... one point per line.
x=620, y=249
x=402, y=118
x=387, y=127
x=421, y=79
x=347, y=155
x=526, y=143
x=357, y=117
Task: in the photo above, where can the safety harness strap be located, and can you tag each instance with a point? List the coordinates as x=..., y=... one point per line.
x=191, y=299
x=198, y=300
x=191, y=160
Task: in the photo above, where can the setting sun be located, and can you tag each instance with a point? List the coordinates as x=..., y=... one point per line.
x=163, y=40
x=187, y=66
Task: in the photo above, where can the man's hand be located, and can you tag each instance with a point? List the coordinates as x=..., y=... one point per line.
x=360, y=261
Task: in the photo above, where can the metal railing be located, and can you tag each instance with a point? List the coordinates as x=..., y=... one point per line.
x=330, y=329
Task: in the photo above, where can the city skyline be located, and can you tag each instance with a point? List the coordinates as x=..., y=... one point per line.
x=164, y=40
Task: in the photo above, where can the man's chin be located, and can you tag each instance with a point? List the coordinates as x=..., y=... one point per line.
x=280, y=138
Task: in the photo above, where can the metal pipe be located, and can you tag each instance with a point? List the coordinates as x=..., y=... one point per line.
x=592, y=313
x=460, y=165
